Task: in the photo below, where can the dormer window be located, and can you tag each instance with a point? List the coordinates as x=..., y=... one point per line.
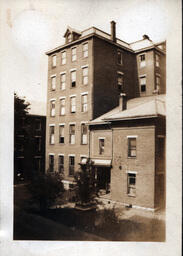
x=69, y=38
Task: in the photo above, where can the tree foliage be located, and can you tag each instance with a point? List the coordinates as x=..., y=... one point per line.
x=86, y=185
x=45, y=189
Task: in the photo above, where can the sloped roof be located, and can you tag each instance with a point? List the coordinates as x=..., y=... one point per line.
x=71, y=30
x=141, y=107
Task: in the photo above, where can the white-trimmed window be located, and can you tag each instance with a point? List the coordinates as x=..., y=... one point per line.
x=72, y=129
x=85, y=75
x=52, y=108
x=62, y=81
x=73, y=78
x=52, y=134
x=85, y=50
x=53, y=83
x=51, y=163
x=69, y=38
x=131, y=190
x=62, y=106
x=84, y=135
x=73, y=54
x=73, y=104
x=119, y=57
x=71, y=165
x=120, y=81
x=157, y=59
x=142, y=58
x=132, y=150
x=63, y=57
x=54, y=61
x=84, y=103
x=143, y=84
x=101, y=146
x=61, y=164
x=157, y=86
x=61, y=134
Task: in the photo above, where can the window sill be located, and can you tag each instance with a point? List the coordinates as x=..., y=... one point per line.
x=62, y=115
x=132, y=157
x=131, y=195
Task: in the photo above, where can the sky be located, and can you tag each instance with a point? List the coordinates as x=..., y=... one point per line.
x=31, y=27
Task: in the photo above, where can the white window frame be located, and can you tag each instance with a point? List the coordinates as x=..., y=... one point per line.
x=51, y=135
x=120, y=85
x=63, y=135
x=72, y=137
x=72, y=166
x=62, y=106
x=157, y=85
x=85, y=51
x=85, y=76
x=131, y=148
x=71, y=77
x=142, y=84
x=157, y=60
x=142, y=62
x=84, y=105
x=84, y=136
x=53, y=85
x=73, y=104
x=60, y=165
x=74, y=55
x=63, y=59
x=131, y=188
x=121, y=57
x=101, y=148
x=54, y=61
x=52, y=110
x=63, y=82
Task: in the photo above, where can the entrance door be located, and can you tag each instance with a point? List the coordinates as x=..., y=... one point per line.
x=104, y=178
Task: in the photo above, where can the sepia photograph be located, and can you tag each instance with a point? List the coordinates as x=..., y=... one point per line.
x=89, y=91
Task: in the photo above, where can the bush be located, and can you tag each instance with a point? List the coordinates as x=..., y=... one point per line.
x=45, y=188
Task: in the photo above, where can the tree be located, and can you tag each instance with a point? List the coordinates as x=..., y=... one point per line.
x=45, y=189
x=21, y=108
x=86, y=184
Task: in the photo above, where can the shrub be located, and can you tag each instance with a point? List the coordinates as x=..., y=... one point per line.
x=45, y=188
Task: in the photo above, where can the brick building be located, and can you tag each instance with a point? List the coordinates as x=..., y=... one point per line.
x=85, y=77
x=128, y=151
x=29, y=143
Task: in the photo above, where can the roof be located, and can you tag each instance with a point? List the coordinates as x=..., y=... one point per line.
x=37, y=108
x=85, y=34
x=137, y=108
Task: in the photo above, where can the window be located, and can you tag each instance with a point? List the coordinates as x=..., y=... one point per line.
x=52, y=134
x=120, y=81
x=157, y=86
x=157, y=59
x=84, y=103
x=85, y=75
x=73, y=104
x=143, y=84
x=38, y=124
x=120, y=58
x=51, y=163
x=131, y=147
x=142, y=60
x=63, y=57
x=38, y=144
x=69, y=38
x=73, y=54
x=131, y=184
x=38, y=164
x=61, y=164
x=101, y=146
x=72, y=134
x=62, y=81
x=54, y=60
x=52, y=108
x=85, y=50
x=73, y=79
x=53, y=83
x=61, y=134
x=71, y=165
x=83, y=134
x=62, y=107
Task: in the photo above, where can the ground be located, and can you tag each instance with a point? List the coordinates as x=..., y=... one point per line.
x=67, y=223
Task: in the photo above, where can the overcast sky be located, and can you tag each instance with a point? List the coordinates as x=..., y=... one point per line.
x=33, y=26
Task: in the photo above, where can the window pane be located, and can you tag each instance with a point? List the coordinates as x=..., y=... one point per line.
x=53, y=83
x=54, y=61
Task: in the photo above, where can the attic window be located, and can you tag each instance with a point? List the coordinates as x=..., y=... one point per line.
x=69, y=38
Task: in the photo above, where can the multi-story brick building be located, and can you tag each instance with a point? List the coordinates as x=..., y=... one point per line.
x=85, y=77
x=127, y=148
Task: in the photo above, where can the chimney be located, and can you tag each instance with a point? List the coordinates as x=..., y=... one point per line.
x=146, y=37
x=113, y=31
x=122, y=101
